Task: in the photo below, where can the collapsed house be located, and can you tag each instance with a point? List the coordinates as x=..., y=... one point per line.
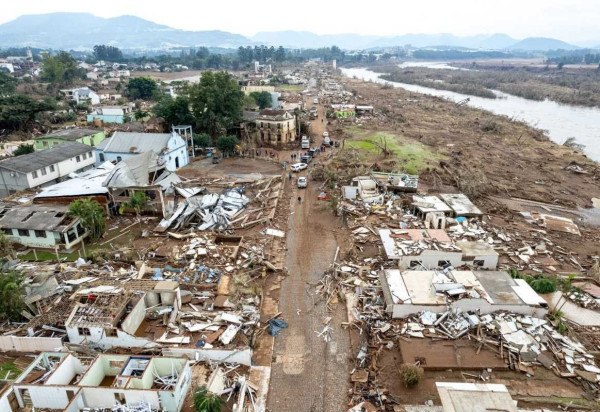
x=111, y=316
x=410, y=292
x=64, y=381
x=363, y=188
x=433, y=248
x=214, y=211
x=396, y=182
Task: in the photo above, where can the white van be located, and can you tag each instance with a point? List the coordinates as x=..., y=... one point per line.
x=305, y=143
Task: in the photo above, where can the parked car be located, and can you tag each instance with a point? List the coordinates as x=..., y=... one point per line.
x=306, y=159
x=297, y=167
x=302, y=182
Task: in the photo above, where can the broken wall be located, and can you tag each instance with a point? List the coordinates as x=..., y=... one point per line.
x=134, y=319
x=29, y=344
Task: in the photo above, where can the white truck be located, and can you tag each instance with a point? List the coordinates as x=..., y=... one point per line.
x=305, y=142
x=326, y=139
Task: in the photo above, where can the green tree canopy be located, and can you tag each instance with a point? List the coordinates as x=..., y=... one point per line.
x=110, y=53
x=174, y=111
x=143, y=88
x=18, y=111
x=91, y=214
x=11, y=295
x=227, y=144
x=262, y=99
x=8, y=84
x=61, y=69
x=202, y=140
x=23, y=148
x=217, y=102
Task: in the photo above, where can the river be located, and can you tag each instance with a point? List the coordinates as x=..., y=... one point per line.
x=560, y=121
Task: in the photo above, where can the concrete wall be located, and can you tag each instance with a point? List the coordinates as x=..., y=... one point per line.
x=4, y=401
x=490, y=262
x=429, y=259
x=105, y=118
x=43, y=143
x=98, y=336
x=242, y=356
x=48, y=242
x=400, y=311
x=29, y=344
x=176, y=153
x=11, y=182
x=134, y=319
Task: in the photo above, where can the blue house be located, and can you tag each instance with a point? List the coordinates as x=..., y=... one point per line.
x=110, y=114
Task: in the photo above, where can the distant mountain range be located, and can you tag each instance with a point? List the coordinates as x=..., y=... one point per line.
x=81, y=31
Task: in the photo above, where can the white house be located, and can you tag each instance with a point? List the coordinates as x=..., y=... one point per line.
x=171, y=148
x=82, y=95
x=72, y=384
x=42, y=226
x=44, y=167
x=101, y=316
x=409, y=292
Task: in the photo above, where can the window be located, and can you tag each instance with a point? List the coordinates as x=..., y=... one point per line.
x=34, y=174
x=40, y=233
x=119, y=158
x=89, y=155
x=78, y=159
x=23, y=232
x=44, y=173
x=7, y=231
x=84, y=156
x=45, y=143
x=443, y=263
x=51, y=168
x=54, y=144
x=414, y=264
x=80, y=230
x=101, y=156
x=478, y=262
x=84, y=332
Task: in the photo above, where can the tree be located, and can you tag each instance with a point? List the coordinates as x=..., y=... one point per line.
x=11, y=295
x=262, y=99
x=174, y=111
x=204, y=401
x=138, y=201
x=110, y=53
x=18, y=111
x=23, y=148
x=6, y=247
x=202, y=140
x=143, y=88
x=227, y=144
x=280, y=54
x=217, y=102
x=140, y=115
x=7, y=84
x=61, y=69
x=91, y=214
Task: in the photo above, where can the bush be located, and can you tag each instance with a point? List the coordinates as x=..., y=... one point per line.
x=542, y=284
x=411, y=374
x=205, y=401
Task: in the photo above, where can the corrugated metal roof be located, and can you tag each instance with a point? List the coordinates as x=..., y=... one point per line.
x=34, y=161
x=70, y=134
x=129, y=142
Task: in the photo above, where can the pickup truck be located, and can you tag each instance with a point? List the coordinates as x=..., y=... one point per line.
x=305, y=143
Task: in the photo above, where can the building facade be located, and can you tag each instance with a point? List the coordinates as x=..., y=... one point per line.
x=44, y=167
x=276, y=127
x=171, y=148
x=90, y=137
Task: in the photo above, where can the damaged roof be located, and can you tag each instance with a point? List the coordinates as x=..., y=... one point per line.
x=130, y=142
x=70, y=134
x=38, y=217
x=36, y=160
x=461, y=204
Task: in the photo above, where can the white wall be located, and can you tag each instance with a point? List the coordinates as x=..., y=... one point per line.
x=61, y=169
x=176, y=148
x=400, y=311
x=135, y=318
x=430, y=258
x=97, y=335
x=66, y=371
x=51, y=397
x=105, y=397
x=242, y=356
x=29, y=344
x=4, y=403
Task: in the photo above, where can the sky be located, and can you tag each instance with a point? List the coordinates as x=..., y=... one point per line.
x=568, y=20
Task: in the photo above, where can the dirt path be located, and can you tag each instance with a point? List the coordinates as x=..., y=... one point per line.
x=307, y=373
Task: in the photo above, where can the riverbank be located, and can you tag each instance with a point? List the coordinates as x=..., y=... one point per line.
x=483, y=154
x=576, y=87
